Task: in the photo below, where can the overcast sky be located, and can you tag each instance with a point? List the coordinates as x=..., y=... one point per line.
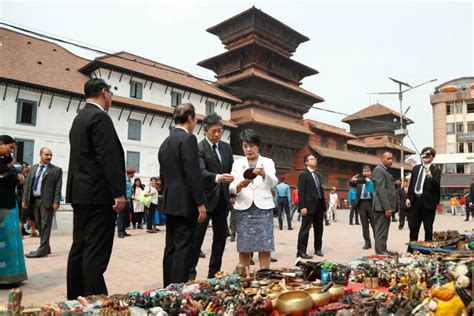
x=355, y=45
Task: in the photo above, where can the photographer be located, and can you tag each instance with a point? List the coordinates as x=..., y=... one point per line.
x=12, y=269
x=423, y=195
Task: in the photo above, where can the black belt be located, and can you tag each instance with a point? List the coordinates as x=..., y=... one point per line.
x=283, y=197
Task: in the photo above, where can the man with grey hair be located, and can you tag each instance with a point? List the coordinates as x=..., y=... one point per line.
x=42, y=194
x=215, y=161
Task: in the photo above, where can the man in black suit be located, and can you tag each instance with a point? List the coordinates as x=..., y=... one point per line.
x=215, y=161
x=42, y=194
x=96, y=190
x=312, y=207
x=183, y=198
x=423, y=195
x=363, y=202
x=402, y=197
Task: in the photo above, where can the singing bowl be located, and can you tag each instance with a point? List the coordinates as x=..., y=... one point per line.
x=319, y=299
x=294, y=302
x=336, y=292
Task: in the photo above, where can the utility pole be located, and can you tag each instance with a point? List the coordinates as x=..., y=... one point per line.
x=402, y=131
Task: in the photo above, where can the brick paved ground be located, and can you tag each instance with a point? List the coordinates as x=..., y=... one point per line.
x=136, y=261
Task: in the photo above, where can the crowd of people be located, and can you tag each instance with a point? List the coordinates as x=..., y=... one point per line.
x=198, y=183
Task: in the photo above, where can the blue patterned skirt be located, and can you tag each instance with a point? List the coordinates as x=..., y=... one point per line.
x=12, y=260
x=254, y=230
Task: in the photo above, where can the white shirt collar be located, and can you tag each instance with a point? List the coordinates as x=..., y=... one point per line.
x=182, y=129
x=211, y=143
x=310, y=170
x=428, y=165
x=97, y=105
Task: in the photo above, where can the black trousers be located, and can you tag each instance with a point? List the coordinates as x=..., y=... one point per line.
x=137, y=219
x=419, y=214
x=469, y=210
x=123, y=219
x=354, y=211
x=315, y=220
x=232, y=224
x=219, y=237
x=402, y=217
x=93, y=238
x=366, y=219
x=180, y=232
x=283, y=208
x=150, y=217
x=44, y=219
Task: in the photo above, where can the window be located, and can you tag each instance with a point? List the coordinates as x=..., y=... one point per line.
x=449, y=109
x=471, y=168
x=469, y=147
x=24, y=151
x=136, y=90
x=460, y=148
x=458, y=108
x=340, y=145
x=459, y=128
x=324, y=141
x=341, y=183
x=175, y=98
x=134, y=129
x=324, y=178
x=470, y=108
x=133, y=160
x=460, y=168
x=450, y=128
x=470, y=126
x=26, y=112
x=210, y=107
x=450, y=168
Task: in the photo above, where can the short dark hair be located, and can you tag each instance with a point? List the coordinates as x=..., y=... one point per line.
x=182, y=112
x=7, y=139
x=211, y=119
x=431, y=150
x=306, y=157
x=250, y=137
x=387, y=152
x=366, y=167
x=94, y=86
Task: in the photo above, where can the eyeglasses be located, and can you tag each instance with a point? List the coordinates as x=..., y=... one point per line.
x=108, y=90
x=215, y=131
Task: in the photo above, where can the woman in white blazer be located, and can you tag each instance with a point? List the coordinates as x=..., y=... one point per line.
x=254, y=202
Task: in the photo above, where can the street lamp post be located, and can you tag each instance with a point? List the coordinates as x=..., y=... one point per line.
x=402, y=132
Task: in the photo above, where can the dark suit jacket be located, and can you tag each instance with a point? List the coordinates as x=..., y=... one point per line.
x=180, y=174
x=307, y=195
x=431, y=187
x=96, y=172
x=210, y=167
x=385, y=193
x=402, y=197
x=51, y=184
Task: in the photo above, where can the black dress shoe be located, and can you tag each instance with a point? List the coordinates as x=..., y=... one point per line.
x=290, y=228
x=367, y=246
x=232, y=238
x=273, y=259
x=351, y=224
x=126, y=234
x=202, y=254
x=319, y=253
x=35, y=255
x=357, y=223
x=327, y=223
x=304, y=256
x=121, y=236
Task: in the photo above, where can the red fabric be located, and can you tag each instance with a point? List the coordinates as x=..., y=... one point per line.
x=294, y=196
x=462, y=201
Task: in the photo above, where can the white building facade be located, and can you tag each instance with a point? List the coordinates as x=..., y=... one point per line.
x=40, y=113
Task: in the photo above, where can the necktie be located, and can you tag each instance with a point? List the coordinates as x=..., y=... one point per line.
x=214, y=149
x=364, y=195
x=316, y=182
x=418, y=180
x=38, y=178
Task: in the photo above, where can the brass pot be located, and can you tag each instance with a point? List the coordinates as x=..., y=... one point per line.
x=294, y=302
x=319, y=299
x=337, y=292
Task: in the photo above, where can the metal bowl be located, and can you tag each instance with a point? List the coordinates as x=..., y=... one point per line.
x=294, y=302
x=337, y=292
x=319, y=299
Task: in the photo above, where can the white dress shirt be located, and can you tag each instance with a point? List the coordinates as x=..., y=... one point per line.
x=423, y=177
x=37, y=192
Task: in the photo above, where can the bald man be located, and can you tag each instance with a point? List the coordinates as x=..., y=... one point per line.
x=42, y=194
x=384, y=201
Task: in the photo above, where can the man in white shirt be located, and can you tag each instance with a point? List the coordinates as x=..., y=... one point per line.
x=333, y=203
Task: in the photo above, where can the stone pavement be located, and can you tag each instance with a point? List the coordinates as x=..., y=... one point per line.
x=136, y=261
